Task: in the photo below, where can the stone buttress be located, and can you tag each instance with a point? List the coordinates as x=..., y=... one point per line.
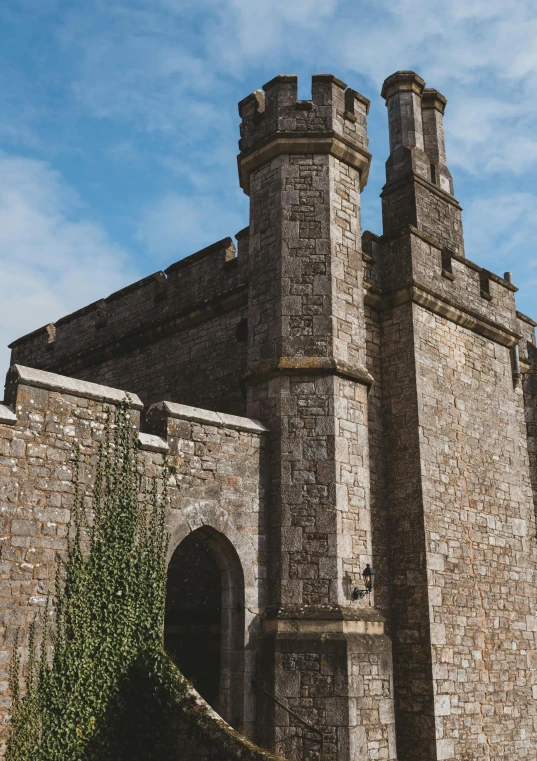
x=326, y=657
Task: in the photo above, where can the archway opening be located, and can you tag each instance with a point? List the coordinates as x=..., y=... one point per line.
x=204, y=619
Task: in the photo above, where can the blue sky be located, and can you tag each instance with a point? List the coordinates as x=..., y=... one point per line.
x=119, y=128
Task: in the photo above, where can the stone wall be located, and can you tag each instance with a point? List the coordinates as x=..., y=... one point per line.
x=217, y=487
x=409, y=624
x=480, y=543
x=178, y=335
x=458, y=464
x=398, y=384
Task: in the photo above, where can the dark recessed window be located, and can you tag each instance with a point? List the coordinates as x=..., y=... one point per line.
x=241, y=331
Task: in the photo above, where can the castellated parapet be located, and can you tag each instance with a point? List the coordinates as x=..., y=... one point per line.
x=275, y=122
x=331, y=398
x=203, y=296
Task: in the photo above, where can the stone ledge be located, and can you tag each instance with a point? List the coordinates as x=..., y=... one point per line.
x=308, y=366
x=443, y=306
x=7, y=417
x=281, y=143
x=356, y=612
x=29, y=376
x=323, y=627
x=391, y=187
x=150, y=443
x=208, y=417
x=525, y=318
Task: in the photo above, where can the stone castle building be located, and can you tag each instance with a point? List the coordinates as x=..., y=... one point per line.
x=330, y=399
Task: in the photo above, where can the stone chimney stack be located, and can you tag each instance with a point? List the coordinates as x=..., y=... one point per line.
x=419, y=190
x=403, y=92
x=433, y=105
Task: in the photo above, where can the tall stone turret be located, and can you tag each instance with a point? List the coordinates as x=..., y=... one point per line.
x=303, y=164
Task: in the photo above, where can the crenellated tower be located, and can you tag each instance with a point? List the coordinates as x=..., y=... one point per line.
x=304, y=164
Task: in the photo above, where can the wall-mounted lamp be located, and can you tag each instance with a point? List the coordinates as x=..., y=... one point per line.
x=368, y=575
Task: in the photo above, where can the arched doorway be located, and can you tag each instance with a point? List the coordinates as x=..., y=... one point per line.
x=204, y=621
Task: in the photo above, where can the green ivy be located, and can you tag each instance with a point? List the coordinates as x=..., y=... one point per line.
x=108, y=692
x=101, y=687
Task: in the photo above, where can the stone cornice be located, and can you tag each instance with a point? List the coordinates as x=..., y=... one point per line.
x=418, y=293
x=307, y=143
x=309, y=619
x=402, y=81
x=307, y=366
x=525, y=318
x=405, y=181
x=432, y=99
x=322, y=626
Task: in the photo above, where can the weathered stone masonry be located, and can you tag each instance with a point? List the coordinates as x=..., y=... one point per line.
x=396, y=388
x=217, y=487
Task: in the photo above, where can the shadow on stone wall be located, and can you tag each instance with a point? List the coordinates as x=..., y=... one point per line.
x=160, y=716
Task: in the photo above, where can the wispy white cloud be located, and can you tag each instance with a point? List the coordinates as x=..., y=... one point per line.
x=160, y=79
x=53, y=258
x=501, y=230
x=504, y=224
x=174, y=226
x=153, y=65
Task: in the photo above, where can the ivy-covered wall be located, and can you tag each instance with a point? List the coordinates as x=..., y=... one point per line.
x=215, y=486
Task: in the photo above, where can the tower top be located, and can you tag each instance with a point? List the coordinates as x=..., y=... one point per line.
x=431, y=98
x=274, y=121
x=417, y=167
x=402, y=81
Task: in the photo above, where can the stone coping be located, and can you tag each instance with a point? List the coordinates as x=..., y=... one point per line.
x=525, y=318
x=354, y=612
x=280, y=143
x=7, y=417
x=150, y=443
x=208, y=417
x=29, y=376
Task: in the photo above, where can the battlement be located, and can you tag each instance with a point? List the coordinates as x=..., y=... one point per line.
x=190, y=289
x=274, y=121
x=413, y=266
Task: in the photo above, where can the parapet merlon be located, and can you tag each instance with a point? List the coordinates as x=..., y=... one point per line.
x=72, y=388
x=275, y=121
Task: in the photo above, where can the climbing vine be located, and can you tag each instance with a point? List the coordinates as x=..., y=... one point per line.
x=99, y=688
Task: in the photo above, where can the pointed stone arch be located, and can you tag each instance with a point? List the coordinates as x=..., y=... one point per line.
x=221, y=555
